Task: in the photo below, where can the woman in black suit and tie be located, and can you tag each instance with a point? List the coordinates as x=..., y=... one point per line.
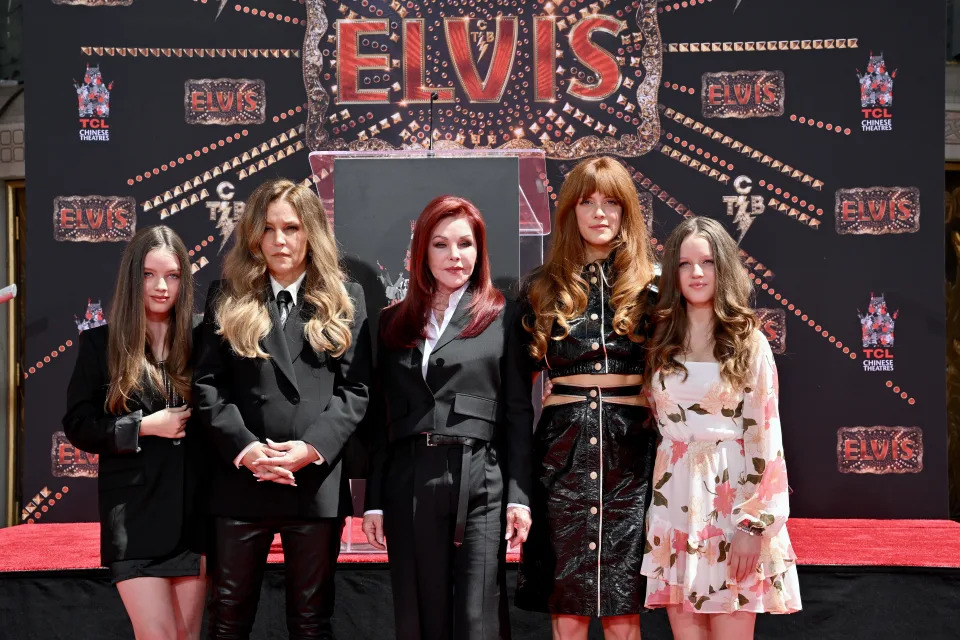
x=281, y=384
x=446, y=366
x=128, y=402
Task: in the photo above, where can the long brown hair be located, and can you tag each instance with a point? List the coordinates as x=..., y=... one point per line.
x=405, y=322
x=129, y=352
x=558, y=293
x=735, y=321
x=242, y=308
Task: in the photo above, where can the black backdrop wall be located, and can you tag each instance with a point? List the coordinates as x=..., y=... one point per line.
x=145, y=111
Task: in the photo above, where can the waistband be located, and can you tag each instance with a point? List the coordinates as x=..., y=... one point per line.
x=467, y=446
x=437, y=439
x=613, y=365
x=592, y=392
x=666, y=441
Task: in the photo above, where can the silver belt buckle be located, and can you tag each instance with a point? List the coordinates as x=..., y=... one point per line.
x=430, y=442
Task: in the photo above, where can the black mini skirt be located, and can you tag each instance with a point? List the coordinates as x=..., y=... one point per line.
x=179, y=563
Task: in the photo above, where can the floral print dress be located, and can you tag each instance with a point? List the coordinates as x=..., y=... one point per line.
x=720, y=465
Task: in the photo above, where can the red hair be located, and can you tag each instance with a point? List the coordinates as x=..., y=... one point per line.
x=404, y=323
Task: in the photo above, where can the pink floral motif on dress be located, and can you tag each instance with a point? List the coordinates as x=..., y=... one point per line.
x=774, y=480
x=723, y=501
x=710, y=531
x=662, y=399
x=677, y=450
x=680, y=539
x=719, y=397
x=661, y=551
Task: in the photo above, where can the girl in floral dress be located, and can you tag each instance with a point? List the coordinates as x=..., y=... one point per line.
x=717, y=550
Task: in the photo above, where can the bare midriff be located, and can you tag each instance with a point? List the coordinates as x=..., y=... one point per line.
x=598, y=380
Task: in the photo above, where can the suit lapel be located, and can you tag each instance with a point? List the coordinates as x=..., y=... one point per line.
x=276, y=343
x=459, y=321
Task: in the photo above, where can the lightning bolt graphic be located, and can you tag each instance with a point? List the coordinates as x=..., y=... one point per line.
x=483, y=49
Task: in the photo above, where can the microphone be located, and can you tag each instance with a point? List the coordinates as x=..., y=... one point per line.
x=433, y=96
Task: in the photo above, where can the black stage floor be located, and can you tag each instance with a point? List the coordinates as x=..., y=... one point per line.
x=842, y=603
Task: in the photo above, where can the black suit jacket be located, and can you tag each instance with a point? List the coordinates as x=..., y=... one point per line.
x=296, y=394
x=472, y=384
x=148, y=486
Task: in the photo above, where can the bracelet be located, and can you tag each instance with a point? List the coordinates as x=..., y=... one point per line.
x=750, y=528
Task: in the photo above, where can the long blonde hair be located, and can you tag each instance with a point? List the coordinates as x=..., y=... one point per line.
x=557, y=292
x=241, y=310
x=735, y=320
x=129, y=352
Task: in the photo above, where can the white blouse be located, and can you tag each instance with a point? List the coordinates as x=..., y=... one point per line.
x=434, y=331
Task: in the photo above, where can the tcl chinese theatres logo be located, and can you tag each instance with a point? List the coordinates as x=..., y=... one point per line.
x=93, y=105
x=877, y=334
x=876, y=95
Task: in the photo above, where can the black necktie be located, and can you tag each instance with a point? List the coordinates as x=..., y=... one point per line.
x=284, y=302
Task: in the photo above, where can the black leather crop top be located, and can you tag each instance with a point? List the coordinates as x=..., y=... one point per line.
x=592, y=346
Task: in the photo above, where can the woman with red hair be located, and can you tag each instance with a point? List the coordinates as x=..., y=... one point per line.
x=447, y=366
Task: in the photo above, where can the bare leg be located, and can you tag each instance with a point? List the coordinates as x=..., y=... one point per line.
x=189, y=597
x=688, y=626
x=149, y=603
x=621, y=627
x=732, y=626
x=570, y=627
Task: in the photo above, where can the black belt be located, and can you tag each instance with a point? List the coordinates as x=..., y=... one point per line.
x=467, y=444
x=592, y=392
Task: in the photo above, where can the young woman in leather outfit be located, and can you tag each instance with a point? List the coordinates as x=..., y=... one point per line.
x=586, y=324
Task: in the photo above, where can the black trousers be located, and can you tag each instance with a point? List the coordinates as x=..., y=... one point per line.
x=440, y=591
x=310, y=550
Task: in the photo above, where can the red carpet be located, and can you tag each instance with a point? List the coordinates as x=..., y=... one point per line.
x=890, y=543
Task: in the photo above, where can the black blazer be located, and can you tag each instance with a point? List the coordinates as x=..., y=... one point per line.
x=148, y=486
x=471, y=386
x=296, y=394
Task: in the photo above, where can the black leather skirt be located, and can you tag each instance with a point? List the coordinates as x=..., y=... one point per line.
x=594, y=466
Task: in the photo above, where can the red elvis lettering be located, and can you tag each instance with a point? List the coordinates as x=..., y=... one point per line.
x=94, y=218
x=758, y=93
x=224, y=101
x=490, y=88
x=67, y=454
x=875, y=210
x=879, y=450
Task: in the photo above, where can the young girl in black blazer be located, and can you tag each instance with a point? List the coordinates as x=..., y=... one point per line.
x=128, y=401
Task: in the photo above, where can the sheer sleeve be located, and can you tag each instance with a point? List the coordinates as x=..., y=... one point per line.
x=763, y=503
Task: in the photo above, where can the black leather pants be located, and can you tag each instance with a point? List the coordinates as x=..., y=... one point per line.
x=310, y=549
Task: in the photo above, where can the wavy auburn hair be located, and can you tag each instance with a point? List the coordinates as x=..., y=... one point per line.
x=735, y=320
x=405, y=323
x=129, y=352
x=242, y=311
x=557, y=293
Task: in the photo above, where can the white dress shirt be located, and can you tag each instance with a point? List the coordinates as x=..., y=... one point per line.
x=434, y=332
x=294, y=289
